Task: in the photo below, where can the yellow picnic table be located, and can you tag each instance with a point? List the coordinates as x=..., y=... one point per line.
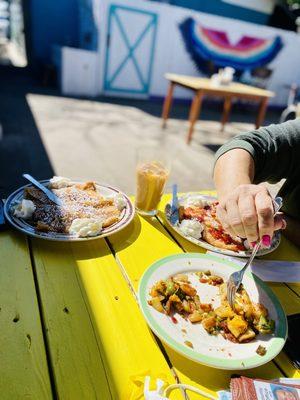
x=71, y=328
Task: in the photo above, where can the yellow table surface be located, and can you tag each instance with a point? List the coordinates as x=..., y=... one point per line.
x=71, y=327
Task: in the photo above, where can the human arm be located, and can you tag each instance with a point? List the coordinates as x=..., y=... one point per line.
x=266, y=154
x=245, y=209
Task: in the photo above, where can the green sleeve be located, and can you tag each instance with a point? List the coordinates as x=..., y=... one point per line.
x=275, y=150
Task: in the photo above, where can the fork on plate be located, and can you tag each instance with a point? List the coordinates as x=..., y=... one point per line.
x=236, y=278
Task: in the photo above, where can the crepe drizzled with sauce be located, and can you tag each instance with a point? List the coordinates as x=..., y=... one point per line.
x=84, y=211
x=151, y=179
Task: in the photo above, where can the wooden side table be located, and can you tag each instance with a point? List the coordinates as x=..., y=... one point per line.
x=204, y=87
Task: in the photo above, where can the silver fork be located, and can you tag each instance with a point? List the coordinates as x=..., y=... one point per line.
x=236, y=278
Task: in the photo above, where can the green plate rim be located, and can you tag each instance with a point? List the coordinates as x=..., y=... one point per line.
x=251, y=362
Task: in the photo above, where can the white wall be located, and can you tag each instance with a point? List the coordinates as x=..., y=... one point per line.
x=170, y=54
x=79, y=70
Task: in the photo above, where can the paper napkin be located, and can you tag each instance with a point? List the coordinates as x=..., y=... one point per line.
x=269, y=270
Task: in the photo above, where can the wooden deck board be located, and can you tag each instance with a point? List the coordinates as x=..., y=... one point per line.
x=77, y=365
x=96, y=335
x=23, y=366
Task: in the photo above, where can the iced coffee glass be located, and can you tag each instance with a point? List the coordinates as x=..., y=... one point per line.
x=152, y=171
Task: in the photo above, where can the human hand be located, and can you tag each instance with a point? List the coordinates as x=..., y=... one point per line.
x=248, y=212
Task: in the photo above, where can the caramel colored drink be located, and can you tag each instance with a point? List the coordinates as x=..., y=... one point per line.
x=151, y=179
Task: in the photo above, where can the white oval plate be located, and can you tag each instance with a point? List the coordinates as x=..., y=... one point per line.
x=210, y=350
x=23, y=226
x=202, y=243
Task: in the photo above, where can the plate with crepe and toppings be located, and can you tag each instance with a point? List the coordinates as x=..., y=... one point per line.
x=183, y=299
x=198, y=223
x=86, y=210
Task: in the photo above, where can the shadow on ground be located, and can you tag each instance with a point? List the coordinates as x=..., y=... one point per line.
x=21, y=147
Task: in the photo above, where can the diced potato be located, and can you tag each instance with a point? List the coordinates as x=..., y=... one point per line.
x=209, y=323
x=261, y=350
x=237, y=325
x=156, y=303
x=178, y=307
x=246, y=336
x=238, y=305
x=243, y=303
x=158, y=288
x=223, y=292
x=187, y=289
x=153, y=292
x=173, y=299
x=206, y=307
x=196, y=316
x=224, y=311
x=258, y=311
x=248, y=312
x=244, y=294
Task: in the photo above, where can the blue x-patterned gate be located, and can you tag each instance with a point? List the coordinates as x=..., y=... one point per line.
x=130, y=50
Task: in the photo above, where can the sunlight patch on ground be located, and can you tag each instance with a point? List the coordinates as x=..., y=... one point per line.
x=94, y=140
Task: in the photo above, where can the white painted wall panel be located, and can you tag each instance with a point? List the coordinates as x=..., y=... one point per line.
x=79, y=69
x=170, y=54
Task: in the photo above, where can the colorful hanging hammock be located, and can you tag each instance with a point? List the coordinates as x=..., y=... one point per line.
x=204, y=44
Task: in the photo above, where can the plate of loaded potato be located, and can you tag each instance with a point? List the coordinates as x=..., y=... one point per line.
x=183, y=299
x=85, y=210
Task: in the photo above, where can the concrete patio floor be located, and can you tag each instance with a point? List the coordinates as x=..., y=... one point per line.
x=45, y=133
x=92, y=140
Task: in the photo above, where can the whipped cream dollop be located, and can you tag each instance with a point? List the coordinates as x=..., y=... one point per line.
x=119, y=201
x=84, y=227
x=190, y=199
x=58, y=182
x=191, y=227
x=24, y=209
